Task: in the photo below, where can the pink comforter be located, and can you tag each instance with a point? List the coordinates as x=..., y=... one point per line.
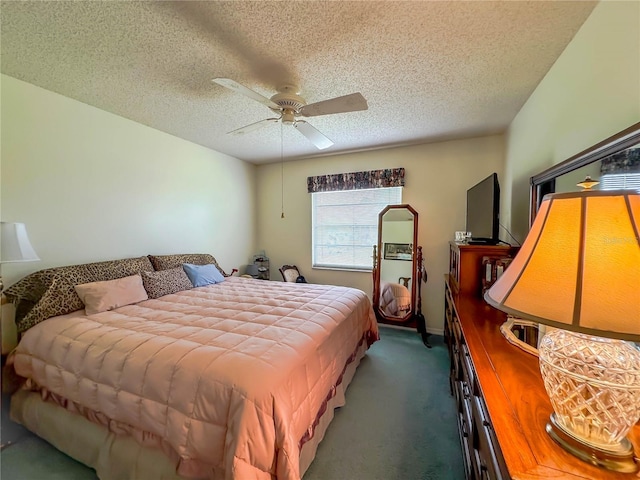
x=231, y=376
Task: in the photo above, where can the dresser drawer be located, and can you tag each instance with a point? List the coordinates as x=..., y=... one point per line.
x=468, y=373
x=489, y=463
x=465, y=442
x=456, y=353
x=465, y=431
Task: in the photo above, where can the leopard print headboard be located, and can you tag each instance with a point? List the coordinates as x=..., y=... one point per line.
x=50, y=292
x=164, y=262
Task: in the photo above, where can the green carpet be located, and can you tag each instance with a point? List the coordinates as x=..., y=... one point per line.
x=399, y=423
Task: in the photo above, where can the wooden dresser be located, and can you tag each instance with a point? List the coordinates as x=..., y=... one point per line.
x=502, y=404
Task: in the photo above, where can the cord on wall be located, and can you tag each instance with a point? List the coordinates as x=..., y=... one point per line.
x=509, y=233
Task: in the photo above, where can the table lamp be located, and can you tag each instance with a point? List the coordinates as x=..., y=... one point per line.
x=252, y=270
x=16, y=246
x=579, y=270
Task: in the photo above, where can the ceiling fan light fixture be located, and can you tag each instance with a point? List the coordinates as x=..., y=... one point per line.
x=288, y=116
x=289, y=101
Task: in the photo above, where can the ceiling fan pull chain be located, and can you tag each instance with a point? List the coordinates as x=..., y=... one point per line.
x=282, y=168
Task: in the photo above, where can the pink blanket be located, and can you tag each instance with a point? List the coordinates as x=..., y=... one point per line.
x=231, y=376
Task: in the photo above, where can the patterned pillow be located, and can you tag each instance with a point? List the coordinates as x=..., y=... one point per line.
x=165, y=282
x=51, y=292
x=164, y=262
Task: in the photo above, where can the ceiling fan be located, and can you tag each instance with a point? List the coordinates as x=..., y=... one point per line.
x=290, y=106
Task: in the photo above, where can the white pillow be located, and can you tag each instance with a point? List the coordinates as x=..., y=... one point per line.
x=102, y=296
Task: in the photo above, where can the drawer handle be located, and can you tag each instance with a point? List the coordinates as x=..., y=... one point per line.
x=465, y=434
x=466, y=393
x=484, y=472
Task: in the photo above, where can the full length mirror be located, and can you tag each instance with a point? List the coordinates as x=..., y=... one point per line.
x=614, y=163
x=395, y=261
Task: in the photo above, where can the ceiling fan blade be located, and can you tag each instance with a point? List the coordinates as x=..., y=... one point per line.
x=347, y=103
x=313, y=135
x=247, y=92
x=252, y=126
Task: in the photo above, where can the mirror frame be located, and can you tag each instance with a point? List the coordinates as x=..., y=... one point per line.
x=544, y=182
x=409, y=318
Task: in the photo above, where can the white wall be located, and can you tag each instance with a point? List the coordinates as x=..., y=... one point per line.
x=437, y=178
x=590, y=93
x=93, y=186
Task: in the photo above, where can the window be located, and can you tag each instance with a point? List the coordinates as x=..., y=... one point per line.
x=620, y=181
x=345, y=226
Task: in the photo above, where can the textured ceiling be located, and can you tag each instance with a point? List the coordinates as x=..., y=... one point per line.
x=429, y=70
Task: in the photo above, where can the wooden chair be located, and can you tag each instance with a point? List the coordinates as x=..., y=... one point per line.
x=290, y=273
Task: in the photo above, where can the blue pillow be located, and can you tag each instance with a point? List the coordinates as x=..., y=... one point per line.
x=201, y=275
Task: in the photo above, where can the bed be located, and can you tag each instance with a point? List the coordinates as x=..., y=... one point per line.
x=232, y=380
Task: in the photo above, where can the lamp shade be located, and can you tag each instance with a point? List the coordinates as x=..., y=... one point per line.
x=16, y=246
x=579, y=267
x=252, y=270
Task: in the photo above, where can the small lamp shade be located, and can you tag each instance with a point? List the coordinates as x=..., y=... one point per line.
x=16, y=246
x=252, y=270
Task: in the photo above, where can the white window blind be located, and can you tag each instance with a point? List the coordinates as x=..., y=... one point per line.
x=620, y=181
x=345, y=226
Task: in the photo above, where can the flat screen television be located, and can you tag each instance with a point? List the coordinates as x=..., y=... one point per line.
x=483, y=209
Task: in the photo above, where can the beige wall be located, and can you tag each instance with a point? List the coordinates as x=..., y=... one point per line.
x=590, y=93
x=94, y=186
x=437, y=178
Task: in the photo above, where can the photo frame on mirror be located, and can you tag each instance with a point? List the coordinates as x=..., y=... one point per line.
x=398, y=251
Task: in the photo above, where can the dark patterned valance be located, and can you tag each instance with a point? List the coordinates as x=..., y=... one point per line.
x=391, y=177
x=622, y=162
